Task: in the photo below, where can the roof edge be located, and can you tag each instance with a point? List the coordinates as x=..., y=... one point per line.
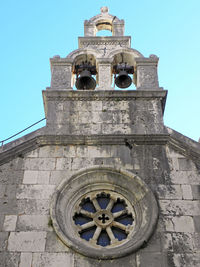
x=38, y=138
x=184, y=145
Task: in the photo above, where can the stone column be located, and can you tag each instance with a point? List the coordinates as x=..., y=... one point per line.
x=146, y=75
x=118, y=28
x=104, y=77
x=61, y=73
x=89, y=28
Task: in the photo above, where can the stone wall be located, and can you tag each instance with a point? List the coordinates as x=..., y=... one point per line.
x=104, y=112
x=27, y=238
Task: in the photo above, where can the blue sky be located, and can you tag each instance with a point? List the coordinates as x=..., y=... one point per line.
x=33, y=31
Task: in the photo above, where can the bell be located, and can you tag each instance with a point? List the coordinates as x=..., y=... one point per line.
x=85, y=81
x=123, y=80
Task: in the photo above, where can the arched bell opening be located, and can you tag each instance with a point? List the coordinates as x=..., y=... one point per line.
x=102, y=33
x=84, y=72
x=124, y=72
x=104, y=26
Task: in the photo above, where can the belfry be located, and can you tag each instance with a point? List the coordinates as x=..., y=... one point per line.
x=105, y=182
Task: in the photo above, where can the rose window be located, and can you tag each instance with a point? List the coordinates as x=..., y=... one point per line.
x=104, y=218
x=103, y=212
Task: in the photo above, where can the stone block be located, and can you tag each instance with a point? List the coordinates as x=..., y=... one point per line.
x=115, y=105
x=16, y=164
x=10, y=191
x=33, y=206
x=33, y=154
x=186, y=164
x=3, y=240
x=70, y=151
x=153, y=245
x=108, y=161
x=196, y=239
x=51, y=152
x=54, y=244
x=186, y=260
x=35, y=191
x=53, y=259
x=57, y=176
x=180, y=207
x=82, y=151
x=173, y=164
x=92, y=129
x=30, y=177
x=96, y=105
x=196, y=191
x=1, y=221
x=187, y=191
x=128, y=261
x=9, y=259
x=98, y=151
x=169, y=191
x=79, y=163
x=9, y=176
x=26, y=260
x=2, y=190
x=182, y=242
x=197, y=223
x=42, y=164
x=33, y=222
x=151, y=259
x=166, y=241
x=173, y=154
x=10, y=223
x=27, y=241
x=185, y=177
x=43, y=177
x=107, y=117
x=179, y=224
x=116, y=128
x=8, y=206
x=63, y=163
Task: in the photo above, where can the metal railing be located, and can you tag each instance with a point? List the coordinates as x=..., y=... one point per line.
x=3, y=141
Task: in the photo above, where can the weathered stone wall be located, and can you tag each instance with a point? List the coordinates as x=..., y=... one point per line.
x=27, y=238
x=107, y=112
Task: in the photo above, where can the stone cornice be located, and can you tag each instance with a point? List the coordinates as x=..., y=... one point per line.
x=124, y=41
x=109, y=95
x=178, y=142
x=115, y=95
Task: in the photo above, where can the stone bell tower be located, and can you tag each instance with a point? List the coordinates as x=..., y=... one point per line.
x=105, y=182
x=112, y=60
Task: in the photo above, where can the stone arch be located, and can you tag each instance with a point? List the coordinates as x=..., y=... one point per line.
x=104, y=21
x=81, y=55
x=81, y=52
x=119, y=184
x=127, y=55
x=128, y=52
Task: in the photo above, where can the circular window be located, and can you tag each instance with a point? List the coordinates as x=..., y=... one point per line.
x=103, y=212
x=104, y=218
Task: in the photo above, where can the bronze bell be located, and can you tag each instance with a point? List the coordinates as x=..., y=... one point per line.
x=85, y=81
x=123, y=80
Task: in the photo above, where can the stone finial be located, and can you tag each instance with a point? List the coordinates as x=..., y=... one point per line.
x=104, y=10
x=104, y=21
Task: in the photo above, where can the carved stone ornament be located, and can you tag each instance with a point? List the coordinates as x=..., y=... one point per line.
x=148, y=76
x=61, y=77
x=104, y=75
x=104, y=213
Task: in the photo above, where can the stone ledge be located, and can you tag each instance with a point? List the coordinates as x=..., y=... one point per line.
x=177, y=141
x=184, y=145
x=115, y=95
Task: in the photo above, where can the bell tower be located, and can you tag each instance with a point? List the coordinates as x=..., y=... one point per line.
x=105, y=182
x=101, y=68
